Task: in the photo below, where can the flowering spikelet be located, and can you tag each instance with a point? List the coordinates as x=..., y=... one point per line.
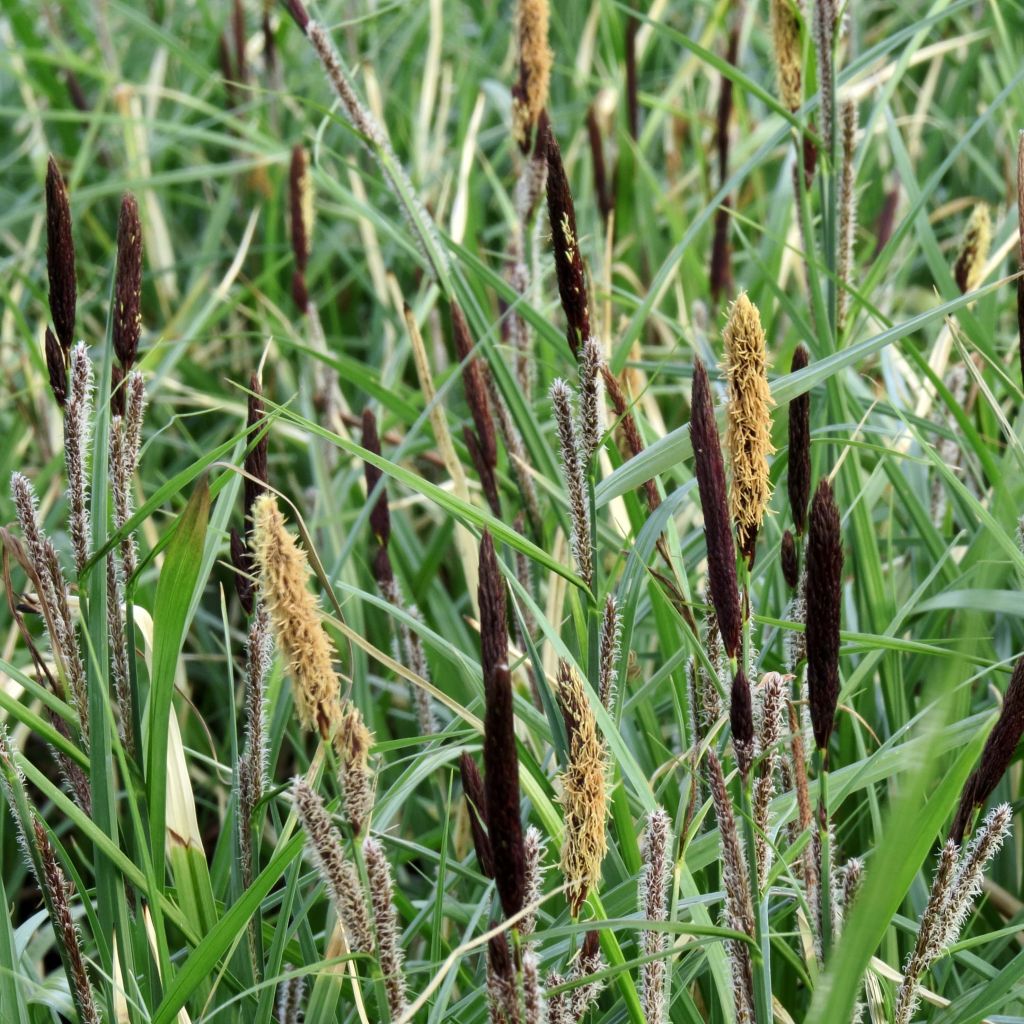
x=824, y=39
x=739, y=908
x=748, y=436
x=289, y=999
x=60, y=256
x=301, y=209
x=352, y=743
x=501, y=761
x=338, y=874
x=473, y=377
x=590, y=399
x=824, y=596
x=709, y=700
x=741, y=720
x=502, y=997
x=293, y=611
x=588, y=962
x=534, y=1010
x=611, y=634
x=799, y=480
x=77, y=431
x=970, y=261
x=127, y=318
x=535, y=846
x=710, y=471
x=476, y=805
x=583, y=791
x=773, y=695
x=389, y=949
x=57, y=892
x=572, y=284
x=847, y=210
x=997, y=754
x=530, y=93
x=575, y=484
x=785, y=25
x=654, y=881
x=53, y=597
x=56, y=367
x=252, y=767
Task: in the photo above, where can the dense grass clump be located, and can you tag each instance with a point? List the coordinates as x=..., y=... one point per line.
x=516, y=513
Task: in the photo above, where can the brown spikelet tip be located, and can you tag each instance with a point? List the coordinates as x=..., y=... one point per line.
x=584, y=796
x=473, y=790
x=501, y=760
x=298, y=11
x=799, y=479
x=569, y=272
x=258, y=476
x=824, y=599
x=127, y=319
x=380, y=515
x=748, y=434
x=56, y=367
x=741, y=719
x=997, y=754
x=60, y=256
x=117, y=403
x=785, y=26
x=530, y=93
x=790, y=561
x=710, y=471
x=974, y=247
x=474, y=380
x=284, y=571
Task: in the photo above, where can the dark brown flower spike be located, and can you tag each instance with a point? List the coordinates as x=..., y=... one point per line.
x=824, y=597
x=741, y=719
x=117, y=403
x=501, y=761
x=60, y=257
x=572, y=283
x=127, y=317
x=298, y=11
x=790, y=561
x=476, y=801
x=721, y=259
x=380, y=515
x=799, y=478
x=475, y=383
x=605, y=201
x=996, y=757
x=299, y=210
x=56, y=368
x=258, y=479
x=710, y=469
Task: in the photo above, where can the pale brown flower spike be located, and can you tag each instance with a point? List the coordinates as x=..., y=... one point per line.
x=530, y=93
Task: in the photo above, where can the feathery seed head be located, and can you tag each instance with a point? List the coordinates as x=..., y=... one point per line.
x=530, y=93
x=710, y=471
x=590, y=398
x=352, y=743
x=785, y=25
x=389, y=949
x=572, y=284
x=293, y=610
x=535, y=846
x=575, y=483
x=56, y=367
x=654, y=891
x=748, y=436
x=127, y=319
x=611, y=634
x=60, y=256
x=584, y=797
x=824, y=596
x=77, y=434
x=974, y=247
x=501, y=760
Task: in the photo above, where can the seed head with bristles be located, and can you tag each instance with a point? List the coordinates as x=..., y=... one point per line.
x=295, y=616
x=60, y=256
x=572, y=284
x=352, y=743
x=785, y=25
x=748, y=436
x=530, y=93
x=654, y=892
x=590, y=399
x=996, y=755
x=337, y=872
x=710, y=471
x=974, y=247
x=824, y=597
x=289, y=999
x=611, y=633
x=127, y=318
x=501, y=761
x=847, y=209
x=385, y=920
x=824, y=26
x=535, y=846
x=502, y=994
x=77, y=434
x=575, y=483
x=584, y=797
x=769, y=734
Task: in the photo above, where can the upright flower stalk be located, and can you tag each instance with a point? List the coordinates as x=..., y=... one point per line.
x=655, y=875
